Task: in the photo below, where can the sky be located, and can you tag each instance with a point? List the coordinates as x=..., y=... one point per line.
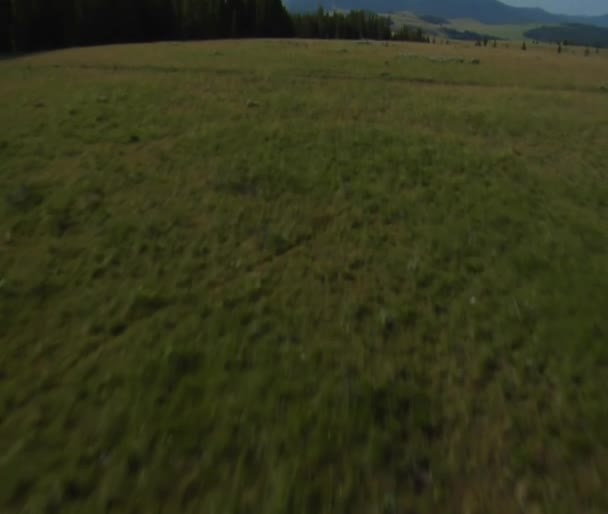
x=590, y=7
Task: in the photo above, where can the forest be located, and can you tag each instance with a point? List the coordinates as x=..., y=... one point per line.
x=352, y=25
x=32, y=25
x=335, y=25
x=40, y=24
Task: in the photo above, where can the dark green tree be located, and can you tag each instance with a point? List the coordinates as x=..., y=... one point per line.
x=27, y=25
x=353, y=25
x=403, y=34
x=6, y=18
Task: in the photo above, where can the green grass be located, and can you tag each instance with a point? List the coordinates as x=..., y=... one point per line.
x=303, y=277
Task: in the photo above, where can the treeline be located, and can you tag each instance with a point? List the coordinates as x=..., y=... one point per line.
x=336, y=25
x=352, y=25
x=468, y=35
x=29, y=25
x=6, y=15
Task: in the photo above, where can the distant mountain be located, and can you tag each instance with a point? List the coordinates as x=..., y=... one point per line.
x=491, y=12
x=569, y=7
x=572, y=33
x=598, y=21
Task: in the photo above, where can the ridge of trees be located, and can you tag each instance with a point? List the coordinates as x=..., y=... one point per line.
x=27, y=25
x=571, y=34
x=31, y=25
x=336, y=25
x=352, y=25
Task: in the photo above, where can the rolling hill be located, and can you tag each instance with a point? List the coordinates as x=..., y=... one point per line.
x=486, y=11
x=462, y=28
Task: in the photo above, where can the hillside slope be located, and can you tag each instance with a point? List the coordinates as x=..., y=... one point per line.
x=574, y=33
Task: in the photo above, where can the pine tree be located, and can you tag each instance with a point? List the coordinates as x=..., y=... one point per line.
x=234, y=26
x=39, y=24
x=523, y=46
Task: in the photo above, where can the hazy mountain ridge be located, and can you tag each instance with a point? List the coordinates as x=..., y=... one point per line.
x=573, y=33
x=486, y=11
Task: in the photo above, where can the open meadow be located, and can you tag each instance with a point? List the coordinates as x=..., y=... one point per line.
x=304, y=277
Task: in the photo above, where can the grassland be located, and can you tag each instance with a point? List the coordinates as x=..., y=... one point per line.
x=303, y=277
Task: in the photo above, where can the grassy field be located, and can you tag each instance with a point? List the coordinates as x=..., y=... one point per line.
x=303, y=277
